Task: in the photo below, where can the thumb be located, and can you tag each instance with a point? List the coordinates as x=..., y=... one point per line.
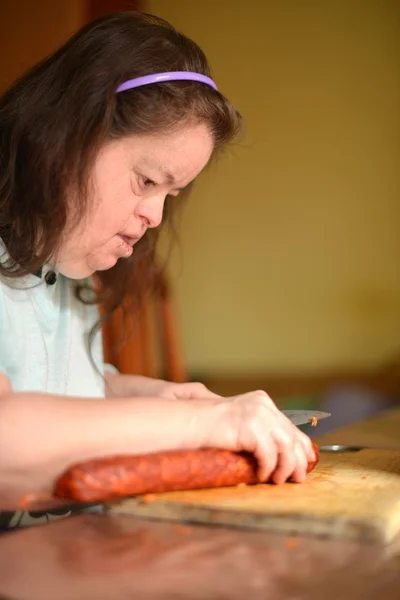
x=200, y=391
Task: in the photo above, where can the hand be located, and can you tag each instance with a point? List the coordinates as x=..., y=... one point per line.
x=253, y=423
x=249, y=422
x=136, y=385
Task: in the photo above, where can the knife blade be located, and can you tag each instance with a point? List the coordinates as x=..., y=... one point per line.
x=302, y=417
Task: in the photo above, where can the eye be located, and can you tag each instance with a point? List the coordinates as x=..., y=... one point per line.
x=148, y=182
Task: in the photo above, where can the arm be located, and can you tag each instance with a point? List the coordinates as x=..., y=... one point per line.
x=119, y=385
x=40, y=435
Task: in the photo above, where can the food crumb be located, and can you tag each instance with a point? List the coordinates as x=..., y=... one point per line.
x=148, y=498
x=314, y=421
x=291, y=543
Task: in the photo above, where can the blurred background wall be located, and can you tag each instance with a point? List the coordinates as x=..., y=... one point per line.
x=291, y=246
x=290, y=252
x=31, y=29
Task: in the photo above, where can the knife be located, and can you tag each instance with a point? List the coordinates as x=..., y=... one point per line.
x=303, y=417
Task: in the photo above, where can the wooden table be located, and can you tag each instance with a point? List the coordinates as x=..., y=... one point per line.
x=94, y=557
x=383, y=431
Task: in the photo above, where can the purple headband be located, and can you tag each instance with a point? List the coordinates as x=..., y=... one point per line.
x=160, y=77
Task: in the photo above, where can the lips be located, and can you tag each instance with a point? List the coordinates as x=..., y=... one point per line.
x=125, y=248
x=129, y=239
x=127, y=243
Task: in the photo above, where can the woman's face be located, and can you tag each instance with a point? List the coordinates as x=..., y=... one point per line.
x=130, y=181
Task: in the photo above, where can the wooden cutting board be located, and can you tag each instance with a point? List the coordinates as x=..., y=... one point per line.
x=353, y=495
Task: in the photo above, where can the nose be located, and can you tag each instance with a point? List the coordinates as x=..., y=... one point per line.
x=151, y=209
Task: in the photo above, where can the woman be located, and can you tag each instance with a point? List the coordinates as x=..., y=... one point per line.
x=95, y=147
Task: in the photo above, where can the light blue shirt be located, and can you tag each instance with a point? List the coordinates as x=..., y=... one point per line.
x=44, y=332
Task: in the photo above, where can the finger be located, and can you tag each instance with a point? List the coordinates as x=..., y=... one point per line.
x=195, y=391
x=303, y=438
x=286, y=457
x=300, y=471
x=307, y=445
x=210, y=394
x=267, y=457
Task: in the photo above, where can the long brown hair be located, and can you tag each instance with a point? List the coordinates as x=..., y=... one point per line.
x=57, y=116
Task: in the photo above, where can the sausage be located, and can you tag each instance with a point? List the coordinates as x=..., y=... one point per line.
x=113, y=477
